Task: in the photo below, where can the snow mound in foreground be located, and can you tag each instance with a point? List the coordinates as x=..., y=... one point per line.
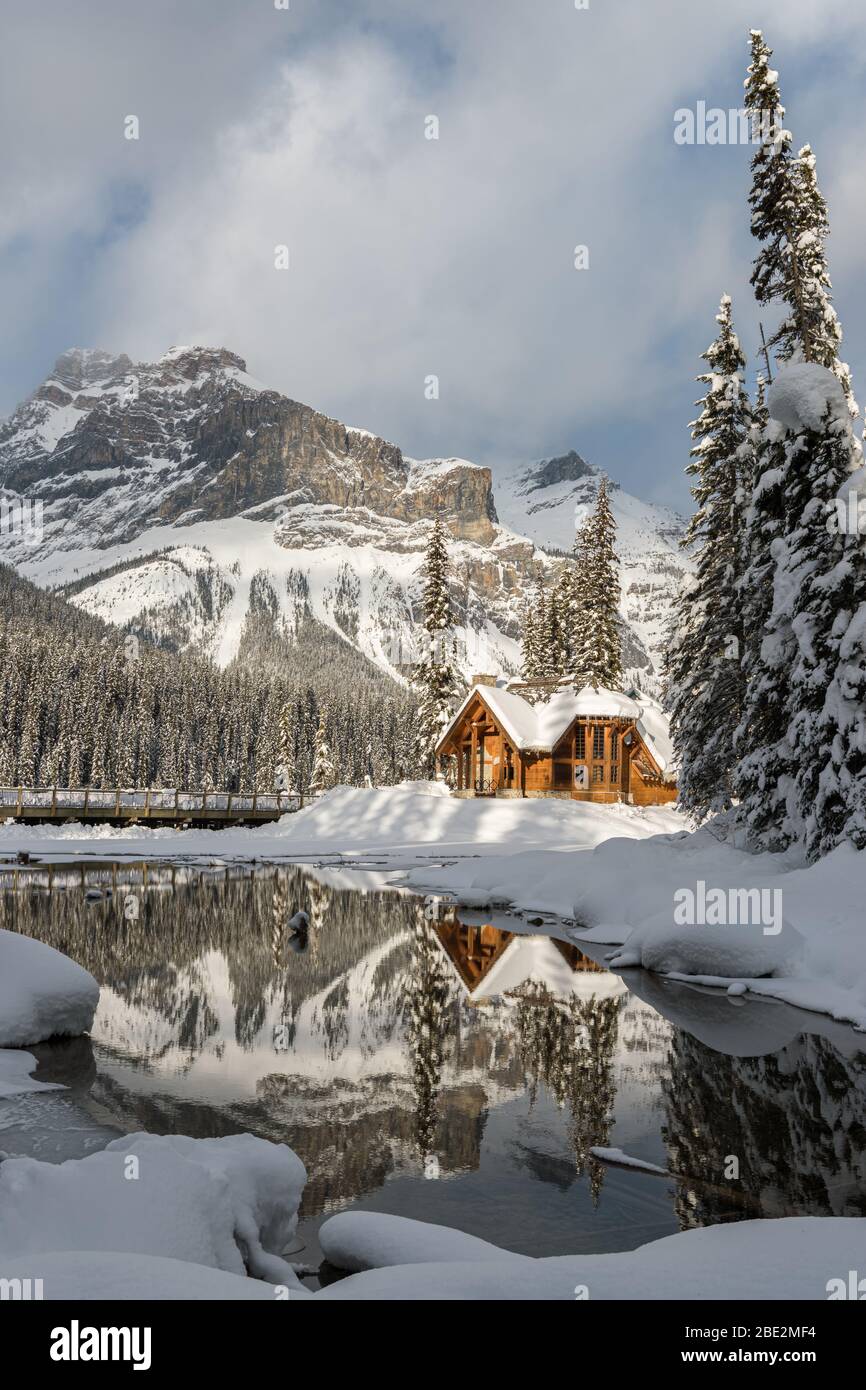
x=359, y=1240
x=43, y=994
x=727, y=952
x=99, y=1274
x=791, y=1258
x=802, y=394
x=228, y=1203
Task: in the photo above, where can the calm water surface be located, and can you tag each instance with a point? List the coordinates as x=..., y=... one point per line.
x=449, y=1068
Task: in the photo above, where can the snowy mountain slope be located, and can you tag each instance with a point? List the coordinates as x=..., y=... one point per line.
x=548, y=500
x=186, y=500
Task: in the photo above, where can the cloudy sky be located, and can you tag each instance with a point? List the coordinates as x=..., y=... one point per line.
x=412, y=257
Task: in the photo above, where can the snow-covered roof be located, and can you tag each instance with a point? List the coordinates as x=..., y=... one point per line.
x=538, y=728
x=654, y=729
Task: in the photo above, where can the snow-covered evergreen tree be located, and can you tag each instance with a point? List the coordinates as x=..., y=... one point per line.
x=820, y=601
x=435, y=675
x=796, y=778
x=601, y=658
x=580, y=614
x=704, y=677
x=324, y=773
x=286, y=751
x=789, y=219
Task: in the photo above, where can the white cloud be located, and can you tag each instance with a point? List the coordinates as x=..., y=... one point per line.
x=411, y=257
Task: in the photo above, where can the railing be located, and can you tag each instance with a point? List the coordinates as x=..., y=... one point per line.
x=144, y=803
x=486, y=785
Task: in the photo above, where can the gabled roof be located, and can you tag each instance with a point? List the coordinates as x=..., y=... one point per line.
x=538, y=728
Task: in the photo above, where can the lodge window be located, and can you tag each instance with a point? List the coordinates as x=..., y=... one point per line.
x=614, y=743
x=580, y=742
x=614, y=772
x=598, y=741
x=598, y=774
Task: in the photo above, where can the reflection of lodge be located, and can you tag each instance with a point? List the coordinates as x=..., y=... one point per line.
x=490, y=961
x=589, y=745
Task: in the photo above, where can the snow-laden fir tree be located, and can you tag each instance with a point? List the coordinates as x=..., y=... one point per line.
x=794, y=655
x=600, y=661
x=580, y=625
x=324, y=773
x=759, y=774
x=286, y=751
x=789, y=219
x=528, y=641
x=704, y=677
x=435, y=675
x=563, y=596
x=819, y=611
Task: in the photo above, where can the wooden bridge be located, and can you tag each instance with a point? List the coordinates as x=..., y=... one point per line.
x=144, y=806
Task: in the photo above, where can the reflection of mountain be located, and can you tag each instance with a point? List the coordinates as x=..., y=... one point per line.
x=361, y=1048
x=795, y=1121
x=374, y=1044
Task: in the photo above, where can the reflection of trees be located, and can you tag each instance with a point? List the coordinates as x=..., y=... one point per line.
x=427, y=993
x=569, y=1045
x=794, y=1120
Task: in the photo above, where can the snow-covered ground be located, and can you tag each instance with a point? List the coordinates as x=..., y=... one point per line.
x=416, y=821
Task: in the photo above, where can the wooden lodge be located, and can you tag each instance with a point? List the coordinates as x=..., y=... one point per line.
x=588, y=745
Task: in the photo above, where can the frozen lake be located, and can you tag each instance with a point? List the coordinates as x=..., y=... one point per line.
x=450, y=1066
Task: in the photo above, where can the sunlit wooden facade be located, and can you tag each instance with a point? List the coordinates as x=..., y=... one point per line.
x=598, y=748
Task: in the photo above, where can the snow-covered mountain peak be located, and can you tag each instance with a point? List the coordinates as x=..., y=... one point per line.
x=189, y=500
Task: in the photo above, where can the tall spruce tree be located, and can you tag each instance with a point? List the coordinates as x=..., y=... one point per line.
x=601, y=659
x=580, y=625
x=820, y=602
x=704, y=676
x=435, y=675
x=324, y=774
x=792, y=778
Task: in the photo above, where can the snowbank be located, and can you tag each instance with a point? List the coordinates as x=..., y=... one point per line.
x=721, y=952
x=359, y=1240
x=817, y=961
x=70, y=1276
x=43, y=994
x=228, y=1203
x=791, y=1258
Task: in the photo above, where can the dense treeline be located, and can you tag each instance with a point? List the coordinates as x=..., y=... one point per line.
x=85, y=704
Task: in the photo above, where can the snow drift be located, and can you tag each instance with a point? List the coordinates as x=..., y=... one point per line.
x=229, y=1203
x=43, y=994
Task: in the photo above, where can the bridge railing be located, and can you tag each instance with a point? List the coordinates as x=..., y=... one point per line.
x=146, y=802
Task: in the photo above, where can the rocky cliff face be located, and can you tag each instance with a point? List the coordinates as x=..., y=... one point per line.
x=185, y=496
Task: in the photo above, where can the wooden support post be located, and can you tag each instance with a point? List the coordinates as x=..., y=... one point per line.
x=473, y=776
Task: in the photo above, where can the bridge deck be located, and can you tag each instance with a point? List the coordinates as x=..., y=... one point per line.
x=146, y=806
